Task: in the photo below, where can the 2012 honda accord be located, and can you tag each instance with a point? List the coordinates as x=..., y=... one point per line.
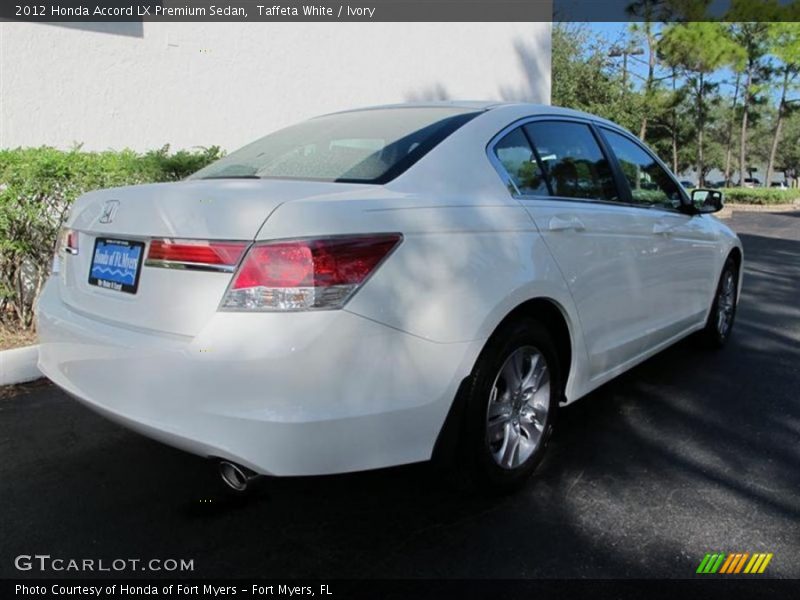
x=383, y=286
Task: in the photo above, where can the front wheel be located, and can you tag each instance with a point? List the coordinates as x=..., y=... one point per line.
x=723, y=310
x=511, y=408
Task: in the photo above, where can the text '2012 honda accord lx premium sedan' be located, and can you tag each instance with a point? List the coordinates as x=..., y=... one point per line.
x=383, y=286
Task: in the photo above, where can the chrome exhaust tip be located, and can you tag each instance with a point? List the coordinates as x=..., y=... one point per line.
x=236, y=477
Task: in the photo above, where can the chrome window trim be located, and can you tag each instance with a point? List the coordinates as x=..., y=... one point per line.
x=592, y=125
x=187, y=266
x=195, y=266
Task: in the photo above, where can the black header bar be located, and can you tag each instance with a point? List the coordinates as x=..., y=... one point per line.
x=398, y=10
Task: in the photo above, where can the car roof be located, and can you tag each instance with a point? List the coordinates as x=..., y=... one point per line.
x=527, y=108
x=466, y=104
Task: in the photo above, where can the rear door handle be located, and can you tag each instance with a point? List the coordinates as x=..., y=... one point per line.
x=565, y=223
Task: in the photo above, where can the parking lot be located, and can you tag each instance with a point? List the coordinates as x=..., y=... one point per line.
x=689, y=453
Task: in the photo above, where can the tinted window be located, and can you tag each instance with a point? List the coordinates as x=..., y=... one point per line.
x=573, y=160
x=649, y=182
x=515, y=154
x=367, y=146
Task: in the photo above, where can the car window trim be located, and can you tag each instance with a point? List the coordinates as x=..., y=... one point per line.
x=621, y=184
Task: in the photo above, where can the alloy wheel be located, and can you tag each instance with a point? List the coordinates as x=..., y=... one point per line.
x=726, y=302
x=516, y=414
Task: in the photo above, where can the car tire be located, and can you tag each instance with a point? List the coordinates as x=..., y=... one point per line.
x=723, y=309
x=511, y=405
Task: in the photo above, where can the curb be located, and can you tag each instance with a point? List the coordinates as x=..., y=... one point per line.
x=730, y=208
x=775, y=208
x=19, y=365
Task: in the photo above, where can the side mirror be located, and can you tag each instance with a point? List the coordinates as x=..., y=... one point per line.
x=705, y=201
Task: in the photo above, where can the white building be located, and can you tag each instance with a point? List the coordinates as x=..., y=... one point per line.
x=143, y=85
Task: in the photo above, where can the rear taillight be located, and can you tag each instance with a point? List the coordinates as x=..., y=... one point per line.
x=67, y=244
x=306, y=274
x=195, y=254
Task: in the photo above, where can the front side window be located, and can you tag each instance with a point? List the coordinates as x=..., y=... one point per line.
x=572, y=160
x=364, y=146
x=516, y=155
x=650, y=184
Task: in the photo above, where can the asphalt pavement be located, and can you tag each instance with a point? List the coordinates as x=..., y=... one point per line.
x=692, y=452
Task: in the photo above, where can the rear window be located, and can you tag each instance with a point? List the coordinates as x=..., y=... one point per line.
x=367, y=146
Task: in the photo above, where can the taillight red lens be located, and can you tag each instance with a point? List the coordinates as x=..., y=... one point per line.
x=67, y=242
x=196, y=252
x=314, y=263
x=277, y=265
x=303, y=274
x=71, y=242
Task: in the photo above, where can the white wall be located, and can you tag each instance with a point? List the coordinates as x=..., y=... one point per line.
x=187, y=84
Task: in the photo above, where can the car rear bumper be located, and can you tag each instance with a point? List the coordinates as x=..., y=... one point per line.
x=283, y=394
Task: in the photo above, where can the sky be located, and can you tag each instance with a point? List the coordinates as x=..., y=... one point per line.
x=617, y=32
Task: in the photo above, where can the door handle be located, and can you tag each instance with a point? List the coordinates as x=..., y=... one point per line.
x=662, y=228
x=565, y=223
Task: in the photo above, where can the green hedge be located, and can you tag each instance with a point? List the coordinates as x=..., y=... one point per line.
x=37, y=188
x=760, y=195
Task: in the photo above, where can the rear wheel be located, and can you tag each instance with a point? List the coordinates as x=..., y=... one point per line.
x=511, y=407
x=723, y=310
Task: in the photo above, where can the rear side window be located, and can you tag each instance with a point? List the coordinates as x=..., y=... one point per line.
x=365, y=146
x=516, y=155
x=572, y=160
x=650, y=184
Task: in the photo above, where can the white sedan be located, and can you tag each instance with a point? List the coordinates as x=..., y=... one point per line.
x=385, y=286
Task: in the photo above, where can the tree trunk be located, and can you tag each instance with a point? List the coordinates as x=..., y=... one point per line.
x=731, y=123
x=743, y=140
x=774, y=149
x=651, y=69
x=700, y=127
x=674, y=153
x=674, y=126
x=776, y=136
x=701, y=180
